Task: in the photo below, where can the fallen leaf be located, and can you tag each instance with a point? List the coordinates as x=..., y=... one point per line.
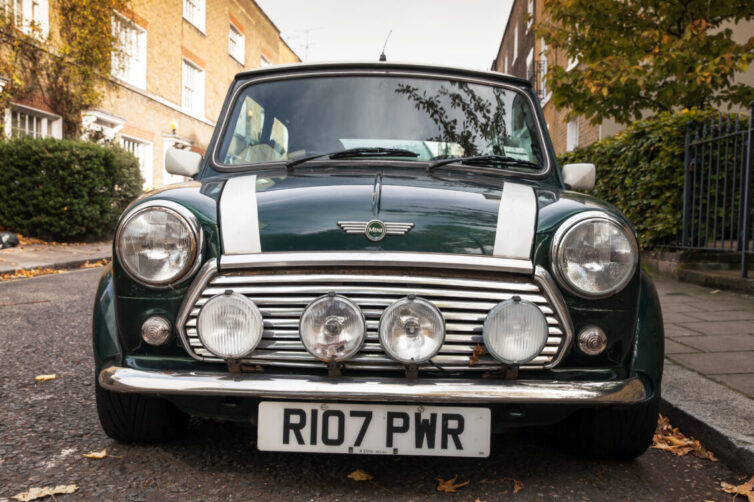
x=44, y=378
x=517, y=486
x=359, y=475
x=714, y=291
x=96, y=454
x=476, y=354
x=96, y=264
x=38, y=493
x=27, y=273
x=744, y=489
x=670, y=439
x=449, y=486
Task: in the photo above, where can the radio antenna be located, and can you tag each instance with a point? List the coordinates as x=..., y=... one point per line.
x=383, y=57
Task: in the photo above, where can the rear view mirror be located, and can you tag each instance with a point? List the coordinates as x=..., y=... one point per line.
x=580, y=176
x=182, y=162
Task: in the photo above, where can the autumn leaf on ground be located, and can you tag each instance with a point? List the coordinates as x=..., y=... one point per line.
x=670, y=439
x=744, y=489
x=37, y=493
x=27, y=273
x=96, y=454
x=517, y=486
x=359, y=475
x=449, y=486
x=96, y=264
x=478, y=352
x=45, y=378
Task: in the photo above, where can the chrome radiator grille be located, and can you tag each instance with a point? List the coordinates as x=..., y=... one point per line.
x=463, y=301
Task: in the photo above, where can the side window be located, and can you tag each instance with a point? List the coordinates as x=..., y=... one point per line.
x=279, y=138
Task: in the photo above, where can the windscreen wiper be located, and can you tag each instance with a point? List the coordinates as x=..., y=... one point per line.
x=498, y=160
x=355, y=152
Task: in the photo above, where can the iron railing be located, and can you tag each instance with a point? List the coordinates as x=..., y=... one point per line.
x=717, y=189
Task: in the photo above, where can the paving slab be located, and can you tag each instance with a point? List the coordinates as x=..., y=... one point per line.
x=52, y=255
x=719, y=327
x=730, y=315
x=718, y=363
x=721, y=343
x=673, y=347
x=743, y=383
x=676, y=331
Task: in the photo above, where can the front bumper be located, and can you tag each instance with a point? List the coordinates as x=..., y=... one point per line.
x=171, y=383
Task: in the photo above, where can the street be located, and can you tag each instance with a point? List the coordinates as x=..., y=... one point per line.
x=45, y=427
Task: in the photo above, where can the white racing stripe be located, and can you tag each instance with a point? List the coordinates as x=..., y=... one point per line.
x=516, y=219
x=239, y=221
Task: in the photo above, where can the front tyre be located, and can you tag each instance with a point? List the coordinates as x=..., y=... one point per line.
x=615, y=433
x=136, y=418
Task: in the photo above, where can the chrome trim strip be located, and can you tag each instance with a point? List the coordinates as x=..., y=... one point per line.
x=570, y=223
x=195, y=230
x=377, y=258
x=550, y=288
x=120, y=379
x=516, y=222
x=441, y=74
x=240, y=230
x=205, y=274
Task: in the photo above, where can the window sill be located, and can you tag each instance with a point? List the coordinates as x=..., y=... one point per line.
x=234, y=58
x=200, y=30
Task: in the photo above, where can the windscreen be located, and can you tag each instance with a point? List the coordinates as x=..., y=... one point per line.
x=435, y=118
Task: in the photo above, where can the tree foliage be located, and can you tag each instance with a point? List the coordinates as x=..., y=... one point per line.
x=67, y=69
x=646, y=55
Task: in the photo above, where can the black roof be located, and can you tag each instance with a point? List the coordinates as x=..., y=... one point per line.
x=383, y=67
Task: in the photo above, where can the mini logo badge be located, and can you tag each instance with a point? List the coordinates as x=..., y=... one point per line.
x=375, y=230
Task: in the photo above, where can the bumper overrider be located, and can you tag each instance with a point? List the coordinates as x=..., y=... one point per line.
x=172, y=383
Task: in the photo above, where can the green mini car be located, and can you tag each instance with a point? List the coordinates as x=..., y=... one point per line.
x=379, y=258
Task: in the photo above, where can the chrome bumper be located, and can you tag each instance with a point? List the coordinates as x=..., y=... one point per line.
x=121, y=379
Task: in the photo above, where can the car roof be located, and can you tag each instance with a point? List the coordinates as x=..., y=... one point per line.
x=381, y=66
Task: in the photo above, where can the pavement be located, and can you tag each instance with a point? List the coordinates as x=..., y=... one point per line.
x=52, y=255
x=46, y=427
x=708, y=382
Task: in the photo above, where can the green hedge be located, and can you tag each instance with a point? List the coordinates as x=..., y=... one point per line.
x=64, y=190
x=640, y=171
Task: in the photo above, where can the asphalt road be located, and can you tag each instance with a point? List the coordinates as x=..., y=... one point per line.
x=46, y=427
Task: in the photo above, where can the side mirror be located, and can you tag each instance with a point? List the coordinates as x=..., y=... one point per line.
x=580, y=176
x=182, y=162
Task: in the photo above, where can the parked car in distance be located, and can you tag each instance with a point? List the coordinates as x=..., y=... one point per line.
x=379, y=258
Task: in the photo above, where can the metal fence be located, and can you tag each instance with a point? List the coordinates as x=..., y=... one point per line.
x=717, y=191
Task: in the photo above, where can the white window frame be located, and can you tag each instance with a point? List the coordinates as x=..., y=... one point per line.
x=192, y=91
x=544, y=65
x=530, y=12
x=51, y=125
x=506, y=64
x=195, y=12
x=572, y=134
x=515, y=44
x=30, y=15
x=263, y=61
x=142, y=149
x=572, y=63
x=530, y=64
x=236, y=44
x=132, y=68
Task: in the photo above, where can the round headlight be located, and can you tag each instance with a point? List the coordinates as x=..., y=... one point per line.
x=594, y=255
x=515, y=331
x=230, y=326
x=412, y=330
x=332, y=328
x=158, y=244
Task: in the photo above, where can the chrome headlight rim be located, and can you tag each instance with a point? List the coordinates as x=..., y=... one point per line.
x=556, y=253
x=486, y=332
x=396, y=304
x=195, y=231
x=354, y=351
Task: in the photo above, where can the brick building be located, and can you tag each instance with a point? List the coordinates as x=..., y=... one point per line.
x=180, y=57
x=524, y=55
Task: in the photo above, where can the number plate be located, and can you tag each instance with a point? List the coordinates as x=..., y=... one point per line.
x=375, y=429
